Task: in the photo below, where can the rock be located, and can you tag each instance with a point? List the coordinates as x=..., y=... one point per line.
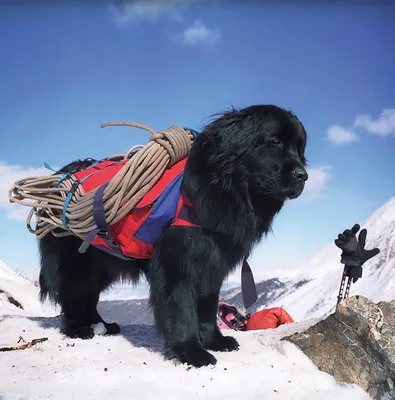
x=11, y=299
x=355, y=344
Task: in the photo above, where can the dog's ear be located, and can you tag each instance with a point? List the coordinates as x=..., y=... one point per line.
x=227, y=140
x=217, y=176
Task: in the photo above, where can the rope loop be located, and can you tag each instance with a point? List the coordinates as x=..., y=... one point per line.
x=145, y=164
x=176, y=141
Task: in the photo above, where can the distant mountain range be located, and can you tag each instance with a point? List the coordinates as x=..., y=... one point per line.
x=309, y=291
x=312, y=289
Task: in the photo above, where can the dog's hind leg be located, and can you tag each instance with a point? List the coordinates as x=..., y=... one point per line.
x=79, y=309
x=74, y=281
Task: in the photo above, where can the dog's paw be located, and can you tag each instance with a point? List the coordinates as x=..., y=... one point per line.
x=197, y=358
x=194, y=356
x=76, y=331
x=224, y=343
x=112, y=328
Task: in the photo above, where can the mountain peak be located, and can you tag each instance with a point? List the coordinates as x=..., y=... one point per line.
x=311, y=289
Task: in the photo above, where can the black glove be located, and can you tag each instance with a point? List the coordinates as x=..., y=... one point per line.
x=354, y=254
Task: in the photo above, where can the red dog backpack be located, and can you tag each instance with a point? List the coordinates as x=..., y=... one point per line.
x=135, y=235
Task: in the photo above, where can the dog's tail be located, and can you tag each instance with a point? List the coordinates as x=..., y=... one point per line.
x=44, y=288
x=49, y=279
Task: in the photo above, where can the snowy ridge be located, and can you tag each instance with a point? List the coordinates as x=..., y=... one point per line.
x=9, y=274
x=21, y=289
x=380, y=226
x=126, y=292
x=324, y=271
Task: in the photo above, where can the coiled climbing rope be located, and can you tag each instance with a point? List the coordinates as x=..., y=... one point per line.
x=144, y=166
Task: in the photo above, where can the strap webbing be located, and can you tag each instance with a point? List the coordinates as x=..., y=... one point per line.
x=248, y=288
x=102, y=230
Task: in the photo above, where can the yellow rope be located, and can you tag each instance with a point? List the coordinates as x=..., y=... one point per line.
x=122, y=193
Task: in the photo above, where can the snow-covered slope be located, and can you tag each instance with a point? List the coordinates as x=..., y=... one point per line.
x=130, y=365
x=126, y=292
x=22, y=290
x=311, y=289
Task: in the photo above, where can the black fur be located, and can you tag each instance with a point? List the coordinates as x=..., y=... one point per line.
x=239, y=173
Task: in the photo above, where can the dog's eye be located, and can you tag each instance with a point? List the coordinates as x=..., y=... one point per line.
x=277, y=143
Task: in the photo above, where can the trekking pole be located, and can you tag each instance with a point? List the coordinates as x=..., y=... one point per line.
x=342, y=283
x=348, y=287
x=340, y=296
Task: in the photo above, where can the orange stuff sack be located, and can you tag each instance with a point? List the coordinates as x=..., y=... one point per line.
x=268, y=318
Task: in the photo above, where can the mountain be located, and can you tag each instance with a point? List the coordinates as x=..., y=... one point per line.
x=268, y=290
x=311, y=289
x=17, y=294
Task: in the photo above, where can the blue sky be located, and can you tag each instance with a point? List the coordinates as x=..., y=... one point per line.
x=69, y=67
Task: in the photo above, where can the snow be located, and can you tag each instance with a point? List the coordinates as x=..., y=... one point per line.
x=130, y=365
x=23, y=290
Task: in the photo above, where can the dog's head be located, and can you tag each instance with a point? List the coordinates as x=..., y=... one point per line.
x=243, y=166
x=262, y=147
x=276, y=160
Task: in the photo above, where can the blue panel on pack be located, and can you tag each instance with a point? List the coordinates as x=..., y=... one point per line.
x=162, y=213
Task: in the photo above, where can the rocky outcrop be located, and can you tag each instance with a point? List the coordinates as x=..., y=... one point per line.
x=355, y=344
x=10, y=299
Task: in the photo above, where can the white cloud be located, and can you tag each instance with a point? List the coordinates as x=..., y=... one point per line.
x=198, y=34
x=384, y=125
x=338, y=135
x=318, y=182
x=148, y=10
x=152, y=10
x=8, y=175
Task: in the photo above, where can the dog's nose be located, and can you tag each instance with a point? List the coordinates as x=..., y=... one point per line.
x=300, y=174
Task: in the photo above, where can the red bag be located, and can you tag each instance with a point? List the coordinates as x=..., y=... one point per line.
x=136, y=234
x=268, y=318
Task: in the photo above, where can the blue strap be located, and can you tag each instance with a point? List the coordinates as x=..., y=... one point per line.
x=67, y=202
x=99, y=214
x=68, y=174
x=47, y=166
x=248, y=288
x=99, y=217
x=63, y=178
x=188, y=213
x=194, y=133
x=87, y=241
x=102, y=230
x=73, y=189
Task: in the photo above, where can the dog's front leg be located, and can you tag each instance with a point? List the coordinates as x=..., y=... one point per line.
x=174, y=300
x=210, y=334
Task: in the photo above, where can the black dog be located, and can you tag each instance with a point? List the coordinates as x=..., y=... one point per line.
x=241, y=169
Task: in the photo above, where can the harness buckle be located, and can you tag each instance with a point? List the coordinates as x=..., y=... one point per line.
x=105, y=235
